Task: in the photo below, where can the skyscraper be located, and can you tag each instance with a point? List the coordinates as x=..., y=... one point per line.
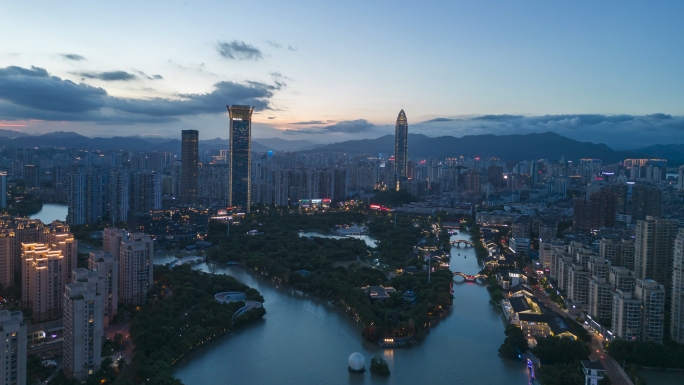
x=135, y=269
x=189, y=160
x=239, y=182
x=3, y=189
x=677, y=314
x=43, y=281
x=13, y=356
x=83, y=330
x=653, y=249
x=401, y=148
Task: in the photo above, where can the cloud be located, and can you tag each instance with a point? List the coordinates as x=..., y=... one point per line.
x=274, y=44
x=110, y=76
x=150, y=77
x=437, y=120
x=498, y=117
x=342, y=127
x=72, y=56
x=34, y=94
x=291, y=48
x=310, y=122
x=238, y=50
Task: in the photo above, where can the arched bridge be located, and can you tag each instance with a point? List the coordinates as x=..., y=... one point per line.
x=465, y=243
x=469, y=277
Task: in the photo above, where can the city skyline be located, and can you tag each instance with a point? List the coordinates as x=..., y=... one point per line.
x=502, y=69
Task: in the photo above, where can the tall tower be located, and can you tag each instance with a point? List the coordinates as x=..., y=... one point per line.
x=401, y=148
x=189, y=160
x=239, y=180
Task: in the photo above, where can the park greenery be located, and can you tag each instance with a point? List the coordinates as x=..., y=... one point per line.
x=515, y=344
x=180, y=316
x=393, y=198
x=337, y=269
x=648, y=354
x=561, y=360
x=379, y=366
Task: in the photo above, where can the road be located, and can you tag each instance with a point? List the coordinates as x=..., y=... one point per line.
x=613, y=369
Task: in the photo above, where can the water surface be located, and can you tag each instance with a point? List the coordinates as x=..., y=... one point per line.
x=306, y=340
x=51, y=212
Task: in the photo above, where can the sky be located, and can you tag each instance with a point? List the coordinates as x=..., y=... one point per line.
x=605, y=71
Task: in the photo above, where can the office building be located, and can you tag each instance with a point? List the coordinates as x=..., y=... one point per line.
x=189, y=166
x=653, y=249
x=651, y=294
x=13, y=356
x=240, y=181
x=135, y=268
x=401, y=148
x=43, y=281
x=677, y=311
x=83, y=330
x=107, y=269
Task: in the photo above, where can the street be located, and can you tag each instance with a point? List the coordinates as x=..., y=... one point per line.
x=613, y=369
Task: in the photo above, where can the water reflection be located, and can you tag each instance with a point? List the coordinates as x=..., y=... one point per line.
x=51, y=212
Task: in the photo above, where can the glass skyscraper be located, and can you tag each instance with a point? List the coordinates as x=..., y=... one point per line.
x=239, y=181
x=189, y=166
x=401, y=149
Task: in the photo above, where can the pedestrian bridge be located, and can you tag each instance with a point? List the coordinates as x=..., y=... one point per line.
x=465, y=243
x=469, y=277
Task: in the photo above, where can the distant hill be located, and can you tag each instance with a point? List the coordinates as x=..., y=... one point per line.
x=674, y=153
x=286, y=145
x=546, y=145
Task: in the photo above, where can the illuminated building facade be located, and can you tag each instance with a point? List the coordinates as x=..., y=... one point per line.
x=239, y=182
x=401, y=148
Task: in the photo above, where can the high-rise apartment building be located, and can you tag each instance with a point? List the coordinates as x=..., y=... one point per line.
x=240, y=181
x=83, y=330
x=13, y=354
x=189, y=166
x=43, y=281
x=58, y=237
x=680, y=179
x=677, y=311
x=111, y=240
x=646, y=201
x=119, y=195
x=7, y=260
x=3, y=189
x=107, y=269
x=135, y=268
x=31, y=176
x=651, y=294
x=626, y=321
x=598, y=212
x=401, y=148
x=88, y=196
x=653, y=249
x=146, y=191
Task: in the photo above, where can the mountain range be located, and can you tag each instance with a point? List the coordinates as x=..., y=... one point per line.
x=514, y=147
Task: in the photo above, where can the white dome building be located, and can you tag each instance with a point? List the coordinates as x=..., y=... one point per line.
x=357, y=363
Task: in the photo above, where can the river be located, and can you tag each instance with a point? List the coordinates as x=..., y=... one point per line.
x=306, y=340
x=51, y=212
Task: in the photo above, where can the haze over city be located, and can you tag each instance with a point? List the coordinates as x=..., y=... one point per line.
x=604, y=72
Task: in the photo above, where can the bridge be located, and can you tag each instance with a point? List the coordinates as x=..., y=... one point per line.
x=465, y=243
x=469, y=277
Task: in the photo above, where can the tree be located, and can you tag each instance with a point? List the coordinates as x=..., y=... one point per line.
x=515, y=343
x=379, y=366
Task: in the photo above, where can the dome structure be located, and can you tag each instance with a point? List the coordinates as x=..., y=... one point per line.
x=357, y=363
